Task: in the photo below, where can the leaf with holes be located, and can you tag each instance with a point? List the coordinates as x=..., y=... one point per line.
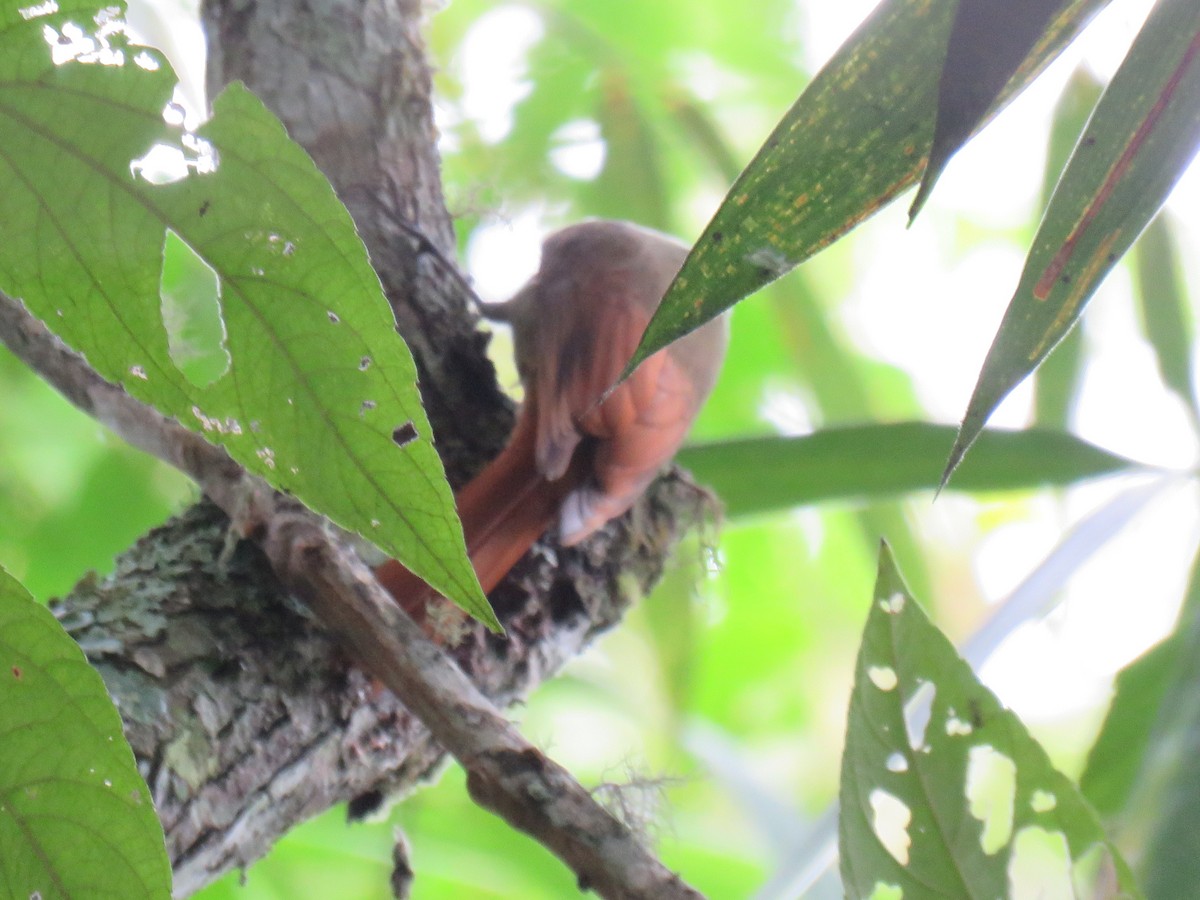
x=1144, y=133
x=289, y=358
x=76, y=818
x=943, y=791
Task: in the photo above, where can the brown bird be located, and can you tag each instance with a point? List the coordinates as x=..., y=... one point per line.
x=576, y=456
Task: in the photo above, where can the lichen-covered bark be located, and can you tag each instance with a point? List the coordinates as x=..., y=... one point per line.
x=246, y=718
x=244, y=714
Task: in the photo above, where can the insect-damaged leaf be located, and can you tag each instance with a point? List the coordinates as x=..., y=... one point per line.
x=943, y=791
x=315, y=381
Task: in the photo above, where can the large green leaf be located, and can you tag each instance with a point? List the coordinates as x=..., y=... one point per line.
x=1144, y=132
x=319, y=394
x=944, y=793
x=856, y=138
x=76, y=819
x=876, y=461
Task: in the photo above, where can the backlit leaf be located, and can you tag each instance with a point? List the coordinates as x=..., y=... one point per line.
x=1143, y=134
x=76, y=818
x=876, y=461
x=944, y=793
x=316, y=382
x=988, y=43
x=856, y=137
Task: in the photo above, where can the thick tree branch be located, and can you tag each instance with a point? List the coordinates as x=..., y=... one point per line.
x=244, y=716
x=505, y=773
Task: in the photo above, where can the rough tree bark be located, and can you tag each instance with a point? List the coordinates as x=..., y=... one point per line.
x=245, y=716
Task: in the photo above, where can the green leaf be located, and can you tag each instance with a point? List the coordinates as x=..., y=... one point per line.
x=1127, y=735
x=1058, y=380
x=956, y=800
x=1143, y=134
x=319, y=393
x=1143, y=770
x=856, y=138
x=988, y=43
x=633, y=160
x=76, y=819
x=1165, y=311
x=874, y=461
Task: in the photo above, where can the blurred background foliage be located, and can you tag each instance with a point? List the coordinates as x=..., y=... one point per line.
x=720, y=703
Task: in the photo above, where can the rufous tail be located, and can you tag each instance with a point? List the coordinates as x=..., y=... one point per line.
x=504, y=509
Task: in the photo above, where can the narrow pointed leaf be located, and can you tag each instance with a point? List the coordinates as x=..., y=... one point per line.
x=76, y=818
x=319, y=395
x=988, y=43
x=880, y=461
x=1165, y=311
x=633, y=169
x=856, y=137
x=1057, y=381
x=1144, y=132
x=955, y=808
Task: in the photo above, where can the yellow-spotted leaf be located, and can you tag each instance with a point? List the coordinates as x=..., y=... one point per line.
x=858, y=136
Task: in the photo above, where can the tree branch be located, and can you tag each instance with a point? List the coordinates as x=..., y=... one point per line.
x=505, y=773
x=244, y=716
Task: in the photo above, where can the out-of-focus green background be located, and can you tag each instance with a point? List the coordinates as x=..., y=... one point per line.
x=720, y=702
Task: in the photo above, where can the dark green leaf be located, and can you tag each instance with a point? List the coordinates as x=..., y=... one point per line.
x=317, y=380
x=1145, y=131
x=874, y=461
x=943, y=791
x=988, y=43
x=856, y=138
x=76, y=819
